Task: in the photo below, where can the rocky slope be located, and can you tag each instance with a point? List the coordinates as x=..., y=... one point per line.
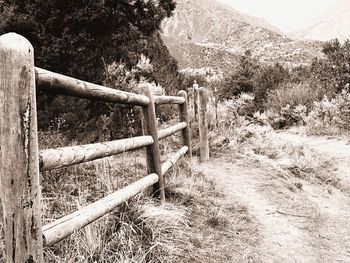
x=208, y=33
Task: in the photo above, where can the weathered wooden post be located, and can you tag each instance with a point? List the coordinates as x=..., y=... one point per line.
x=149, y=126
x=186, y=134
x=216, y=106
x=195, y=100
x=190, y=97
x=19, y=165
x=203, y=124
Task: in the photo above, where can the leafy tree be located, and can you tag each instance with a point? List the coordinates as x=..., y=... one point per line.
x=242, y=80
x=338, y=62
x=80, y=38
x=268, y=78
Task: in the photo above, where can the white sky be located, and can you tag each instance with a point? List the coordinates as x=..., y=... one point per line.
x=288, y=15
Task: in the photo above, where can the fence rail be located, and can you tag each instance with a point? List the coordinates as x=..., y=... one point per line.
x=54, y=82
x=67, y=156
x=20, y=158
x=57, y=83
x=66, y=225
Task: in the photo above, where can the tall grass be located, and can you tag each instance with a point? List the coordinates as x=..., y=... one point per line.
x=142, y=229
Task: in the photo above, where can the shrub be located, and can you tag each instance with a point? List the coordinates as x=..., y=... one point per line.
x=229, y=112
x=293, y=94
x=330, y=116
x=287, y=106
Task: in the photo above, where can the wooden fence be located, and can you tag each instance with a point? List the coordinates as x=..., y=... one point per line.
x=21, y=161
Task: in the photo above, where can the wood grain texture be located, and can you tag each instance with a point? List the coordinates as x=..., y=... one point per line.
x=66, y=156
x=19, y=164
x=162, y=134
x=173, y=160
x=149, y=127
x=184, y=117
x=66, y=225
x=195, y=100
x=57, y=83
x=161, y=100
x=203, y=125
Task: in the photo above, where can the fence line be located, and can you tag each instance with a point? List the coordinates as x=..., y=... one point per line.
x=198, y=104
x=57, y=83
x=20, y=158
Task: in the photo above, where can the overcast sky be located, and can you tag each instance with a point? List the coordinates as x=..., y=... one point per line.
x=288, y=15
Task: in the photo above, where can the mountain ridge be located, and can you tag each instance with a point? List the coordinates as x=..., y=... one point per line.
x=203, y=26
x=334, y=22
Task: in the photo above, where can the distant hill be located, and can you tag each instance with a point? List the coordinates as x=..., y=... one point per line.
x=191, y=55
x=208, y=33
x=333, y=23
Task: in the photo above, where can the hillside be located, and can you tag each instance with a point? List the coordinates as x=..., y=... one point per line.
x=191, y=55
x=223, y=32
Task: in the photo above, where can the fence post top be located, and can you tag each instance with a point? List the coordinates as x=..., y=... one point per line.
x=182, y=93
x=13, y=41
x=145, y=87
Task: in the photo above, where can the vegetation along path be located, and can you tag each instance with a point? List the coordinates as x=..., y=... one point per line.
x=299, y=220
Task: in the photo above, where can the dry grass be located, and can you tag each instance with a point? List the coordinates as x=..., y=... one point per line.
x=220, y=229
x=259, y=144
x=185, y=229
x=141, y=230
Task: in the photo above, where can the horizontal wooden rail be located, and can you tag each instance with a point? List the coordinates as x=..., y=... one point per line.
x=160, y=100
x=77, y=88
x=171, y=130
x=66, y=156
x=65, y=226
x=172, y=160
x=19, y=165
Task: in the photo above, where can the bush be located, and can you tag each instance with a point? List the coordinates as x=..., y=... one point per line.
x=229, y=112
x=288, y=105
x=293, y=94
x=330, y=116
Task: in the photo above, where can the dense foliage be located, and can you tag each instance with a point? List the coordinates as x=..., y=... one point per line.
x=338, y=62
x=253, y=77
x=81, y=38
x=287, y=94
x=301, y=85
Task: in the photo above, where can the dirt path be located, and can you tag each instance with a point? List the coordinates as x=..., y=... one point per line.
x=299, y=221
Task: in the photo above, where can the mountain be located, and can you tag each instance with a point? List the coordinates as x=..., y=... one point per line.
x=208, y=33
x=333, y=23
